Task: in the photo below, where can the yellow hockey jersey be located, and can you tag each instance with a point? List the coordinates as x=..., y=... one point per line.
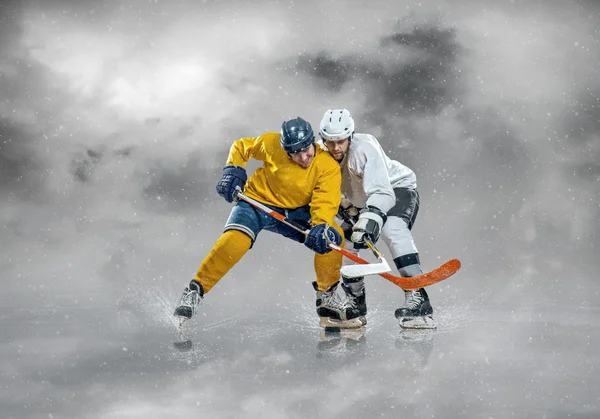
x=282, y=183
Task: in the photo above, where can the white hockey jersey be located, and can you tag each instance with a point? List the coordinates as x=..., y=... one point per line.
x=369, y=176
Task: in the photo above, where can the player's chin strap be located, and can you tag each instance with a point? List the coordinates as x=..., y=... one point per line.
x=416, y=282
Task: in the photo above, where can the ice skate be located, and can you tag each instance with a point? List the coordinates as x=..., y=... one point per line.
x=417, y=312
x=189, y=302
x=356, y=295
x=334, y=310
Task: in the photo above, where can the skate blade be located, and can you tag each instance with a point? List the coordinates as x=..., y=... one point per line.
x=342, y=324
x=424, y=322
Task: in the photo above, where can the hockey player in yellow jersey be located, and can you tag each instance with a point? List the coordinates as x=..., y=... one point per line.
x=298, y=179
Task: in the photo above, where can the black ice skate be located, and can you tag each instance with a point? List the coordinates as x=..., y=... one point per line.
x=334, y=311
x=417, y=312
x=356, y=299
x=188, y=302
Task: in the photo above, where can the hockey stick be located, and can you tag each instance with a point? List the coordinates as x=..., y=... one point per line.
x=409, y=283
x=355, y=271
x=439, y=274
x=364, y=267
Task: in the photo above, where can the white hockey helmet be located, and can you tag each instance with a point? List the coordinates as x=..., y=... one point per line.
x=336, y=125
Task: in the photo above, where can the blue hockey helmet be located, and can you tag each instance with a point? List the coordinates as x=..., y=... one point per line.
x=296, y=135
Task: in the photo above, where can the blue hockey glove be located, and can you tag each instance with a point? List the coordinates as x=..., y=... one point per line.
x=319, y=236
x=233, y=176
x=369, y=225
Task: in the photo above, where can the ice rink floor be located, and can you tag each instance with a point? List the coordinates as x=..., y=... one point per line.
x=60, y=360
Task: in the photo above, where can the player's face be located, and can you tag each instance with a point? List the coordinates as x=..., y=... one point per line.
x=304, y=157
x=338, y=149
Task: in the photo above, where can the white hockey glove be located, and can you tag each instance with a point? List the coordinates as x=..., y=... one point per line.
x=369, y=225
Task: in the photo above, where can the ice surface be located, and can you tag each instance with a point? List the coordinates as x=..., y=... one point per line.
x=68, y=361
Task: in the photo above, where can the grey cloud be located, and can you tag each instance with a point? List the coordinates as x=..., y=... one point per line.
x=421, y=83
x=588, y=171
x=10, y=29
x=333, y=73
x=430, y=81
x=82, y=166
x=28, y=125
x=179, y=187
x=20, y=167
x=582, y=122
x=437, y=41
x=498, y=143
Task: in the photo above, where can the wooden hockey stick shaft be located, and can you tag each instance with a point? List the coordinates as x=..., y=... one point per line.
x=439, y=274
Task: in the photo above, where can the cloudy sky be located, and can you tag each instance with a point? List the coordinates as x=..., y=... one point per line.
x=115, y=121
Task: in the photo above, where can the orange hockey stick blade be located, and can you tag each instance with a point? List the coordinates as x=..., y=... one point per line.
x=439, y=274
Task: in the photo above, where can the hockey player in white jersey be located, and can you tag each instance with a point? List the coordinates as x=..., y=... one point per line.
x=379, y=197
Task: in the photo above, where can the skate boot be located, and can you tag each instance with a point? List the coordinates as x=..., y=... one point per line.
x=417, y=312
x=188, y=302
x=355, y=293
x=334, y=311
